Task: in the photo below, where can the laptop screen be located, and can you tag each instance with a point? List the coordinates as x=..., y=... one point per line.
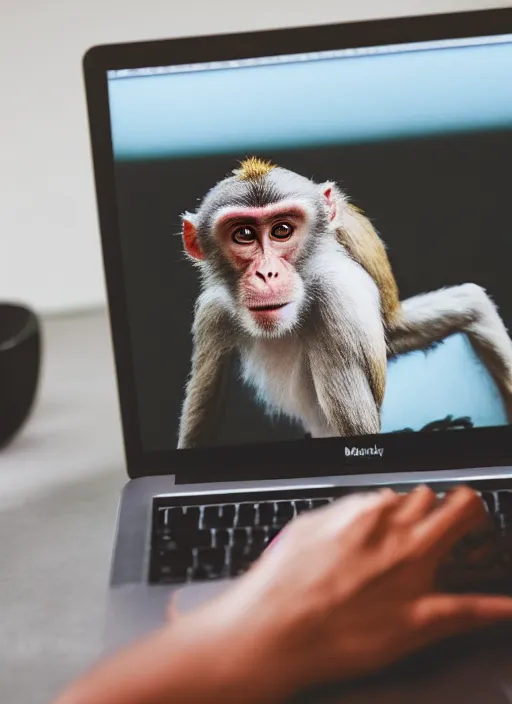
x=286, y=204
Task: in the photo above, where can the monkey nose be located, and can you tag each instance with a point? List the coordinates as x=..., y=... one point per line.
x=265, y=275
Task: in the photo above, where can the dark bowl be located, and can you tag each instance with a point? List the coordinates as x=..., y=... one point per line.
x=20, y=364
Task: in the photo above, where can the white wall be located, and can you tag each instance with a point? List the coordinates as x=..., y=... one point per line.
x=49, y=242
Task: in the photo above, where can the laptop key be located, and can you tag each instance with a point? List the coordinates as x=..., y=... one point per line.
x=302, y=506
x=318, y=503
x=211, y=517
x=166, y=534
x=162, y=518
x=167, y=542
x=239, y=537
x=504, y=500
x=191, y=517
x=174, y=566
x=505, y=527
x=209, y=563
x=489, y=501
x=221, y=537
x=285, y=511
x=266, y=513
x=227, y=515
x=259, y=538
x=196, y=539
x=172, y=574
x=246, y=517
x=174, y=517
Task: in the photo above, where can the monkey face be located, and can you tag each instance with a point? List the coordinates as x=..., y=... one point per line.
x=261, y=246
x=253, y=236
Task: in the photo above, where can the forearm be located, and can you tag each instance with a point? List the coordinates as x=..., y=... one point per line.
x=185, y=663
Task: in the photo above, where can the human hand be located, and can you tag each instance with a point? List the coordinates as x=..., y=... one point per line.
x=351, y=588
x=346, y=590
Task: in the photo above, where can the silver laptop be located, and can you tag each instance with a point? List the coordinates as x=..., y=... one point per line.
x=306, y=238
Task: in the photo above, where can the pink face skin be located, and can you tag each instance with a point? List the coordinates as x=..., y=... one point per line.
x=262, y=244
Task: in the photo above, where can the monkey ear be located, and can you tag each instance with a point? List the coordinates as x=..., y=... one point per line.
x=328, y=192
x=189, y=233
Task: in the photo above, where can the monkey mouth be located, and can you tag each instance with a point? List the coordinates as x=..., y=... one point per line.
x=268, y=308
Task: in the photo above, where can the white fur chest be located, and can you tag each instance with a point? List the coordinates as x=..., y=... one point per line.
x=278, y=371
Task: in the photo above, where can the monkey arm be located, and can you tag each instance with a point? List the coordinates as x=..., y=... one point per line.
x=347, y=353
x=345, y=397
x=431, y=317
x=203, y=398
x=210, y=366
x=348, y=366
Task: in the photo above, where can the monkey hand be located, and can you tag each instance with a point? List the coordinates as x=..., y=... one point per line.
x=349, y=589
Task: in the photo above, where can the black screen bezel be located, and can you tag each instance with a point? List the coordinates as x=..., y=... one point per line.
x=482, y=447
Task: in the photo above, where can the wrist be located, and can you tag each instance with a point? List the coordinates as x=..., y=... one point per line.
x=236, y=659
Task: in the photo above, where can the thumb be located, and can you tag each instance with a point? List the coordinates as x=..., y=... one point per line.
x=444, y=615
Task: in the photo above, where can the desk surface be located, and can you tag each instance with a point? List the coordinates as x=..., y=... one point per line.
x=59, y=488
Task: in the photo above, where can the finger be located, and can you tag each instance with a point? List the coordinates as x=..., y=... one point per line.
x=461, y=511
x=362, y=499
x=417, y=504
x=351, y=504
x=372, y=505
x=339, y=515
x=441, y=616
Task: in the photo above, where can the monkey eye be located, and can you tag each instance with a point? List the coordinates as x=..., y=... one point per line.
x=283, y=231
x=244, y=235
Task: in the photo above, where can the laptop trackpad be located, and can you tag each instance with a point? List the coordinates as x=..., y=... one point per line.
x=191, y=596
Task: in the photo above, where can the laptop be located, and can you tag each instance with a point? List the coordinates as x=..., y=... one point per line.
x=306, y=242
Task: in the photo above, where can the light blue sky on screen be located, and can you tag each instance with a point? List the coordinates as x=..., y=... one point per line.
x=342, y=100
x=449, y=380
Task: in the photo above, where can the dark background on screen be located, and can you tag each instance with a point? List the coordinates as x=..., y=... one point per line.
x=440, y=204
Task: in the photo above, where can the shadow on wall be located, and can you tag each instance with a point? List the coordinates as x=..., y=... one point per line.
x=449, y=380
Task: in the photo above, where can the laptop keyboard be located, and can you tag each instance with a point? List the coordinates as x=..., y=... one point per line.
x=222, y=538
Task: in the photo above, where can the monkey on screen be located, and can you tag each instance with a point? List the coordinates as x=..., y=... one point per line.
x=296, y=282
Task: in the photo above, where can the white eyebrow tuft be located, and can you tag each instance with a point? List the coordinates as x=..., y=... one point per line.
x=285, y=204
